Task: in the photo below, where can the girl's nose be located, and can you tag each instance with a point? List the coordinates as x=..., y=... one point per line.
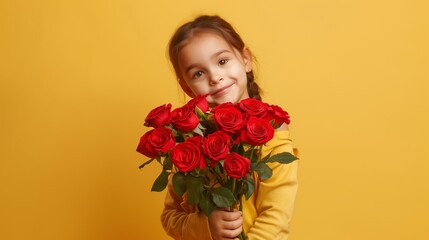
x=215, y=79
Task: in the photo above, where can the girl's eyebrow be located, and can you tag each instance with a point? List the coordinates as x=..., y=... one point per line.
x=219, y=53
x=215, y=55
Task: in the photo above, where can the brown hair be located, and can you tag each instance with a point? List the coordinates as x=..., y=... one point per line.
x=219, y=26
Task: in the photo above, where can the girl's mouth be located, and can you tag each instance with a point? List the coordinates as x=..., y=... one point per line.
x=221, y=91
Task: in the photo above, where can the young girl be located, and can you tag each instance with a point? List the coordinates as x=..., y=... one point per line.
x=209, y=57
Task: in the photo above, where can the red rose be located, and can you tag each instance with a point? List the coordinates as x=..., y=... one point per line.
x=236, y=166
x=184, y=119
x=197, y=141
x=187, y=156
x=257, y=131
x=222, y=105
x=217, y=145
x=159, y=117
x=156, y=142
x=229, y=119
x=200, y=102
x=278, y=114
x=253, y=107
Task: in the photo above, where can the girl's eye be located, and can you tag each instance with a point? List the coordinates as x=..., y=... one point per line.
x=197, y=74
x=223, y=61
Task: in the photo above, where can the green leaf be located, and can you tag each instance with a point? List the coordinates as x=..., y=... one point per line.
x=284, y=157
x=167, y=164
x=146, y=163
x=158, y=159
x=223, y=197
x=238, y=188
x=200, y=114
x=240, y=150
x=250, y=187
x=199, y=130
x=209, y=125
x=228, y=183
x=206, y=204
x=179, y=184
x=217, y=168
x=179, y=138
x=253, y=166
x=161, y=182
x=246, y=153
x=202, y=172
x=217, y=171
x=265, y=159
x=194, y=188
x=252, y=154
x=263, y=170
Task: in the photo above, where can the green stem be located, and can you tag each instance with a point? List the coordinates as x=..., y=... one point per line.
x=251, y=154
x=240, y=206
x=234, y=182
x=242, y=236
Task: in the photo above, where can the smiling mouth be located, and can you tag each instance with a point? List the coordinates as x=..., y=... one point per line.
x=220, y=91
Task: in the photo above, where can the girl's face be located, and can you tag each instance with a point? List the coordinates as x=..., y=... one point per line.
x=209, y=65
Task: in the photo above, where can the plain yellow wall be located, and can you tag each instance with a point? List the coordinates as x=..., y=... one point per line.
x=79, y=77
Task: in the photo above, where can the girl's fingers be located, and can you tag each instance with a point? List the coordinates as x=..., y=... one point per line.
x=232, y=225
x=231, y=216
x=231, y=234
x=236, y=232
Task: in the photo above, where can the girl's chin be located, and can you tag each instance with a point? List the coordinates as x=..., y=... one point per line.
x=220, y=101
x=232, y=97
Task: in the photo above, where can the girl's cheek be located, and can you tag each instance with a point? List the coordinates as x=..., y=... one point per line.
x=198, y=90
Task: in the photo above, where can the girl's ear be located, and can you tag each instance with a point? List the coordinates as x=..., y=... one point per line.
x=186, y=89
x=247, y=58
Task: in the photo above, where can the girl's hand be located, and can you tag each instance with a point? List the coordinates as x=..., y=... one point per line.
x=225, y=224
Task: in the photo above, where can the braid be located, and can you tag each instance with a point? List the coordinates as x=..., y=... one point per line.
x=252, y=87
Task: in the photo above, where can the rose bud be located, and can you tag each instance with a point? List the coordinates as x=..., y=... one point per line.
x=200, y=102
x=159, y=117
x=278, y=114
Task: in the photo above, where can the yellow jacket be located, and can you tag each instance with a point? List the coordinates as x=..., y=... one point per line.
x=266, y=214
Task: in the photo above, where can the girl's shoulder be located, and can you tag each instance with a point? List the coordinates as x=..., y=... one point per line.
x=283, y=127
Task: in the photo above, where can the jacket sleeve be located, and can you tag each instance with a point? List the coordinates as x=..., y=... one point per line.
x=182, y=221
x=275, y=199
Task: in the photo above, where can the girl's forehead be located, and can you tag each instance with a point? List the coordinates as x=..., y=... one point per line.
x=206, y=43
x=205, y=38
x=201, y=49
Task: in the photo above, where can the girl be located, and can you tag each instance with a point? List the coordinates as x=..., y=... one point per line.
x=210, y=58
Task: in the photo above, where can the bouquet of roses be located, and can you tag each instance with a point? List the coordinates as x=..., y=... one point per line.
x=212, y=153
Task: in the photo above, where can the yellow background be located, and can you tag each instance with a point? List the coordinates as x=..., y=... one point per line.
x=79, y=76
